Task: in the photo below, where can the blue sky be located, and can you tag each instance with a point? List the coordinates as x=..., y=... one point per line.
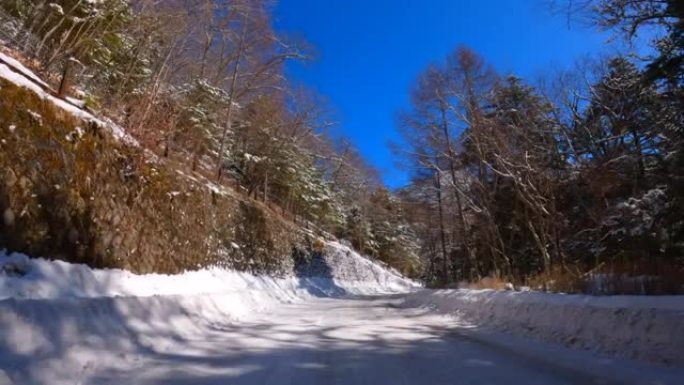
x=369, y=52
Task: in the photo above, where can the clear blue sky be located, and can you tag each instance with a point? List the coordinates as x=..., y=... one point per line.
x=369, y=52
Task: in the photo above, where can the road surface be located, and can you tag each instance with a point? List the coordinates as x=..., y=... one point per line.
x=325, y=341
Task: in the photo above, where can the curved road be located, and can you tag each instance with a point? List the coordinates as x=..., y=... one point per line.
x=349, y=341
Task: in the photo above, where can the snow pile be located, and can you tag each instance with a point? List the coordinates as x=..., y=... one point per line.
x=34, y=278
x=360, y=273
x=27, y=278
x=639, y=327
x=52, y=311
x=59, y=341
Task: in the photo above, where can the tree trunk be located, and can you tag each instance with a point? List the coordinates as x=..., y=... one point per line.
x=231, y=101
x=445, y=264
x=457, y=194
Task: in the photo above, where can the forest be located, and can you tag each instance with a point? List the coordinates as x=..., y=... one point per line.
x=567, y=185
x=574, y=184
x=201, y=84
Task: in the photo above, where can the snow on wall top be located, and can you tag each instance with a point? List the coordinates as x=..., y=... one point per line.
x=17, y=66
x=21, y=76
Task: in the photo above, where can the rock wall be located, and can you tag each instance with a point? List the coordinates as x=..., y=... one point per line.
x=70, y=190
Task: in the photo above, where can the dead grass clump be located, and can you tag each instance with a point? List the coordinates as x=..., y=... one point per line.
x=559, y=279
x=495, y=283
x=636, y=276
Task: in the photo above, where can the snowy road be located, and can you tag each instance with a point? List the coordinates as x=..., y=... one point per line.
x=323, y=341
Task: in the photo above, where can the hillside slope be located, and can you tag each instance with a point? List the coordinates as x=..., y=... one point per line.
x=78, y=188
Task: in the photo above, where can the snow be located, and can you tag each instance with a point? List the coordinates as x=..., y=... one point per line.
x=22, y=277
x=63, y=323
x=27, y=79
x=77, y=102
x=17, y=66
x=641, y=327
x=67, y=323
x=197, y=340
x=70, y=318
x=215, y=188
x=348, y=266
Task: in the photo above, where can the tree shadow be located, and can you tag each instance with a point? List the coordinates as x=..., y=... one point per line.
x=163, y=340
x=315, y=274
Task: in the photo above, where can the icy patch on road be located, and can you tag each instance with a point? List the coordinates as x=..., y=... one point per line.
x=639, y=327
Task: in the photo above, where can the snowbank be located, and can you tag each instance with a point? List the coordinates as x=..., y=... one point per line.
x=355, y=270
x=22, y=277
x=51, y=311
x=639, y=327
x=58, y=341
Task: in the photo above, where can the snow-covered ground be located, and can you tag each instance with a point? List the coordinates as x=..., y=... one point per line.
x=346, y=272
x=62, y=323
x=648, y=328
x=56, y=317
x=149, y=340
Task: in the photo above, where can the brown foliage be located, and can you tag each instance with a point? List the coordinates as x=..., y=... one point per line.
x=78, y=195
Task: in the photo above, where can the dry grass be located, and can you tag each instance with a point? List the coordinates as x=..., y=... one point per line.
x=644, y=277
x=496, y=283
x=641, y=277
x=31, y=64
x=91, y=199
x=558, y=279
